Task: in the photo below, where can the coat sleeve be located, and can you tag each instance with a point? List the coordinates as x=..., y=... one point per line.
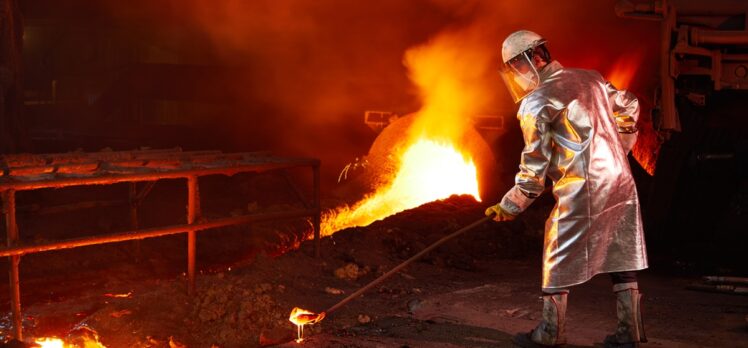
x=536, y=155
x=625, y=108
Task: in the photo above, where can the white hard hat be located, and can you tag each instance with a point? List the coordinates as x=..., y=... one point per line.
x=518, y=42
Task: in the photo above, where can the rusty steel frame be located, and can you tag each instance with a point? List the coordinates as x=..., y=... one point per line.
x=218, y=163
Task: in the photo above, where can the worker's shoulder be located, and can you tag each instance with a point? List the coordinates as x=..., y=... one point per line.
x=579, y=74
x=539, y=104
x=565, y=84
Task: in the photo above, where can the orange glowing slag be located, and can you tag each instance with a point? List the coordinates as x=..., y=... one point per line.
x=428, y=170
x=301, y=317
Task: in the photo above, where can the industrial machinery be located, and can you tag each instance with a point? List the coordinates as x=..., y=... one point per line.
x=701, y=119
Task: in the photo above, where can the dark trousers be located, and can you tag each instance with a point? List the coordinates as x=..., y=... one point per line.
x=623, y=277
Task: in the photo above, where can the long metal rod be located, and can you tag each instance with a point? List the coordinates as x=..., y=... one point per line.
x=407, y=262
x=11, y=230
x=153, y=232
x=193, y=211
x=155, y=175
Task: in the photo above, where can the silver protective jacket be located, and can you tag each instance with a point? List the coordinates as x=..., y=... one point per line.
x=572, y=131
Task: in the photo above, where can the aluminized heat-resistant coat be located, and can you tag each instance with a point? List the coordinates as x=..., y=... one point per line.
x=572, y=126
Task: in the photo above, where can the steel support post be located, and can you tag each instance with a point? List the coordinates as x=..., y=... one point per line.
x=193, y=213
x=11, y=229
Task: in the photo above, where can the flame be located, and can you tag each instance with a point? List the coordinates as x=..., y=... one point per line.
x=50, y=342
x=301, y=317
x=428, y=170
x=432, y=161
x=647, y=147
x=624, y=69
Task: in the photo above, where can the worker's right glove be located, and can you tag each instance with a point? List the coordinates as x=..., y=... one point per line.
x=500, y=214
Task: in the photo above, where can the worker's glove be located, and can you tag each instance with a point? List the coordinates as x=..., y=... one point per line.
x=626, y=124
x=499, y=213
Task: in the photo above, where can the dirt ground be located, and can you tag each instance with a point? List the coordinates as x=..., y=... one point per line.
x=475, y=291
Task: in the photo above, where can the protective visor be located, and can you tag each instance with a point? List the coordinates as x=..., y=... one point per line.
x=520, y=76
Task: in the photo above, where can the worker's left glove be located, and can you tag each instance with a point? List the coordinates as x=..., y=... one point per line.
x=500, y=213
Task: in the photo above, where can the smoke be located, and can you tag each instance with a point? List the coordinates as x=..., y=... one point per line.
x=450, y=72
x=313, y=67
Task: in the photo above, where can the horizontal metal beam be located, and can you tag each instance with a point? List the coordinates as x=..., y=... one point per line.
x=105, y=179
x=154, y=232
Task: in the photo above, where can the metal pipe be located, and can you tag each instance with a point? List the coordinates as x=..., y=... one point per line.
x=193, y=211
x=713, y=8
x=718, y=37
x=723, y=288
x=152, y=232
x=667, y=98
x=317, y=215
x=155, y=175
x=648, y=11
x=722, y=279
x=735, y=57
x=715, y=156
x=11, y=230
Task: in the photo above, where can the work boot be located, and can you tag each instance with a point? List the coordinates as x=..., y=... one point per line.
x=550, y=332
x=630, y=330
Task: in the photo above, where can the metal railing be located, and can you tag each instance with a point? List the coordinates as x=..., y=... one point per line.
x=32, y=172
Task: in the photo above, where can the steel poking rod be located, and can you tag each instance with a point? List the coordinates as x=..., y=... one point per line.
x=405, y=263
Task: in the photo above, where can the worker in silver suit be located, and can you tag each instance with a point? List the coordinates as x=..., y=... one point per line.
x=577, y=129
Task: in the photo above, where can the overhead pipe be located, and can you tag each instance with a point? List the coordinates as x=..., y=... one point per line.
x=701, y=36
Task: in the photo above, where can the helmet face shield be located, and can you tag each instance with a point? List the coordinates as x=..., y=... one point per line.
x=520, y=76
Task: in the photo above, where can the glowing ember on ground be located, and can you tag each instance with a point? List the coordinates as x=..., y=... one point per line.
x=428, y=171
x=301, y=317
x=126, y=295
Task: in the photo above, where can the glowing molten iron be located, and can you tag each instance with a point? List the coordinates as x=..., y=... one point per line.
x=54, y=342
x=427, y=171
x=301, y=317
x=50, y=342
